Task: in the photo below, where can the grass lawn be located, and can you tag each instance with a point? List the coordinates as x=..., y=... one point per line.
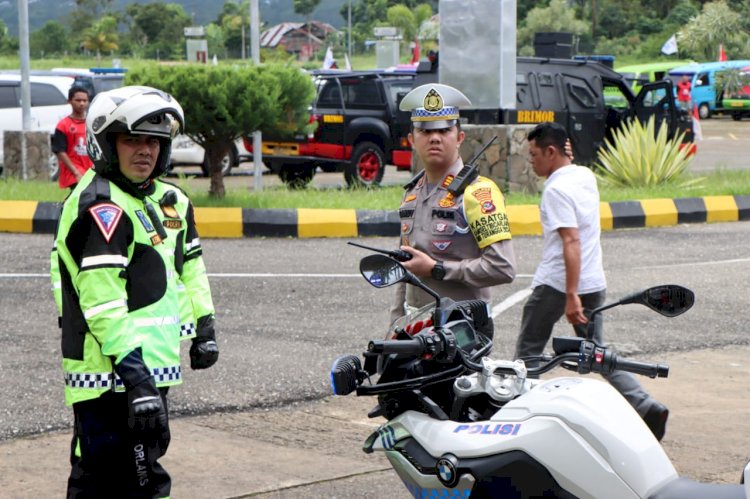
x=720, y=182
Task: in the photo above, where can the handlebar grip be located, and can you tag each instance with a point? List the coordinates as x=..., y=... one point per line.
x=643, y=368
x=413, y=347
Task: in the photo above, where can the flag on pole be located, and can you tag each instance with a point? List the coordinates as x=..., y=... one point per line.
x=722, y=54
x=328, y=61
x=670, y=46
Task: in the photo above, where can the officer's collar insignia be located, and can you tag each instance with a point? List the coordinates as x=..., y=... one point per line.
x=447, y=181
x=433, y=101
x=106, y=216
x=144, y=221
x=447, y=201
x=410, y=197
x=169, y=211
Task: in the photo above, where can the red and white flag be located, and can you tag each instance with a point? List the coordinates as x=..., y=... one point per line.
x=722, y=54
x=697, y=131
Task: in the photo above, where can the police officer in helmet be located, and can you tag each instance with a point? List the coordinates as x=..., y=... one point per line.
x=126, y=243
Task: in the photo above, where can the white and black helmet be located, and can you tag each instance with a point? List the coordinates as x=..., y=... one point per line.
x=136, y=110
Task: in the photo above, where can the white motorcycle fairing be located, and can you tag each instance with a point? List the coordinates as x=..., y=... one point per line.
x=577, y=435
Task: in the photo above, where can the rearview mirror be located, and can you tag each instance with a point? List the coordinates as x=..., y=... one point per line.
x=669, y=300
x=381, y=271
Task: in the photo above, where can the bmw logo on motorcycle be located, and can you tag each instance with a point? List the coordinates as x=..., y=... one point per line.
x=446, y=470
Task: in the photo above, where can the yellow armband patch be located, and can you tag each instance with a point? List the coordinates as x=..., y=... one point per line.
x=484, y=206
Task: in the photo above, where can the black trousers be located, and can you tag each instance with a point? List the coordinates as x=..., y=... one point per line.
x=108, y=459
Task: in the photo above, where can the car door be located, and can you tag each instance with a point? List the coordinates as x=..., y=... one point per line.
x=586, y=115
x=656, y=99
x=329, y=108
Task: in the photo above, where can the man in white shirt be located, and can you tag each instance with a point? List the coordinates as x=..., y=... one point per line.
x=570, y=278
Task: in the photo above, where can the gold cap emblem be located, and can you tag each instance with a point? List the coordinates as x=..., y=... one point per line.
x=433, y=101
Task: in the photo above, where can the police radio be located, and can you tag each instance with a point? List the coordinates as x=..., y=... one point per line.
x=468, y=173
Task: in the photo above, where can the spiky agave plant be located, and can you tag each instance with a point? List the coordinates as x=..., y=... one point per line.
x=640, y=157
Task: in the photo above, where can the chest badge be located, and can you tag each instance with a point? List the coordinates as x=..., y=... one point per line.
x=447, y=201
x=441, y=245
x=106, y=216
x=441, y=227
x=144, y=221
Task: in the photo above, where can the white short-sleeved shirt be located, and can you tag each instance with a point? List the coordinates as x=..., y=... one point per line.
x=571, y=200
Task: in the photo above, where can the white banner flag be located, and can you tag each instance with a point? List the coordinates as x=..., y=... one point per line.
x=328, y=61
x=670, y=46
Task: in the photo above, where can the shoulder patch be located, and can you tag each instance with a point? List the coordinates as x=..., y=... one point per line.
x=106, y=216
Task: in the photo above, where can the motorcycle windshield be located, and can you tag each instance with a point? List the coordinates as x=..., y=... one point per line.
x=412, y=322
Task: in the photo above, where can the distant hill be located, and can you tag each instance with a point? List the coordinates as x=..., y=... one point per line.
x=271, y=11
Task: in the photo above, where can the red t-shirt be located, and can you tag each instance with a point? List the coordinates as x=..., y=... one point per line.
x=683, y=91
x=70, y=138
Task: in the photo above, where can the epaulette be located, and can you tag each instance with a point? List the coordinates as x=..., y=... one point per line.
x=414, y=180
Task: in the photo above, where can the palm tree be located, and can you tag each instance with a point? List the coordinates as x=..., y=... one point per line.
x=101, y=36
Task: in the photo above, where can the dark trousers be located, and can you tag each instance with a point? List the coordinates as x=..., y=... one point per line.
x=109, y=459
x=543, y=309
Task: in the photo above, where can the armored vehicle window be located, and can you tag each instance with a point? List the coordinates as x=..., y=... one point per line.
x=46, y=95
x=329, y=94
x=582, y=94
x=545, y=79
x=8, y=97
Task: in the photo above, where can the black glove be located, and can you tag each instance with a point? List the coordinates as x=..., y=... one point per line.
x=147, y=411
x=204, y=351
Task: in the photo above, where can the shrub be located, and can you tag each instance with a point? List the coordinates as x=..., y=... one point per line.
x=638, y=156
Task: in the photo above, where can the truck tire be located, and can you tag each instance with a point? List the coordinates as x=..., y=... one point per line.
x=227, y=162
x=366, y=167
x=704, y=112
x=296, y=176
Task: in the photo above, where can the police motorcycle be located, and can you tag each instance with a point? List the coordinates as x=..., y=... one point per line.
x=461, y=424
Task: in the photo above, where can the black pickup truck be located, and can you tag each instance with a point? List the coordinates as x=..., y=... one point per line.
x=357, y=129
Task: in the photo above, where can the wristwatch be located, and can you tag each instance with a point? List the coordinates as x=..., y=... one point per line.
x=438, y=271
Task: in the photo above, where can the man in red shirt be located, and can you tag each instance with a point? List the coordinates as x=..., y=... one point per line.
x=69, y=140
x=683, y=93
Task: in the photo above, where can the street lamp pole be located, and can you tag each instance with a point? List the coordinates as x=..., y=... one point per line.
x=349, y=45
x=255, y=53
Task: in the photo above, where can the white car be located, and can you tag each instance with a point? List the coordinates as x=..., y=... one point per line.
x=185, y=152
x=49, y=104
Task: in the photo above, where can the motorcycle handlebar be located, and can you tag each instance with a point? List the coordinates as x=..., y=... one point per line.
x=643, y=368
x=414, y=346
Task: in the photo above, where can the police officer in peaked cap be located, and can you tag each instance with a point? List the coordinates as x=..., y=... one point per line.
x=460, y=241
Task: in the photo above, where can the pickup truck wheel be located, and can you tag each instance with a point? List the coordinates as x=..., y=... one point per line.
x=227, y=162
x=297, y=177
x=704, y=111
x=366, y=167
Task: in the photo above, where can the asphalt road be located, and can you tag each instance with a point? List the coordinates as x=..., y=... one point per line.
x=286, y=308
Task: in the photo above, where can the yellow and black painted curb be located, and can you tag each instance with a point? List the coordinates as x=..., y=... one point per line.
x=38, y=217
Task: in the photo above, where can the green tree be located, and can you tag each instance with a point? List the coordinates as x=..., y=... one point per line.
x=234, y=19
x=158, y=28
x=86, y=13
x=101, y=37
x=401, y=17
x=717, y=24
x=223, y=103
x=556, y=17
x=52, y=38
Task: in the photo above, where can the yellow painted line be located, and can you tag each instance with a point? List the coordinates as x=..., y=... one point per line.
x=721, y=209
x=219, y=222
x=659, y=212
x=17, y=216
x=326, y=223
x=606, y=219
x=733, y=136
x=524, y=220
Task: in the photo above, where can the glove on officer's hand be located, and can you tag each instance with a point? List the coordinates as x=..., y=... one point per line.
x=204, y=351
x=147, y=411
